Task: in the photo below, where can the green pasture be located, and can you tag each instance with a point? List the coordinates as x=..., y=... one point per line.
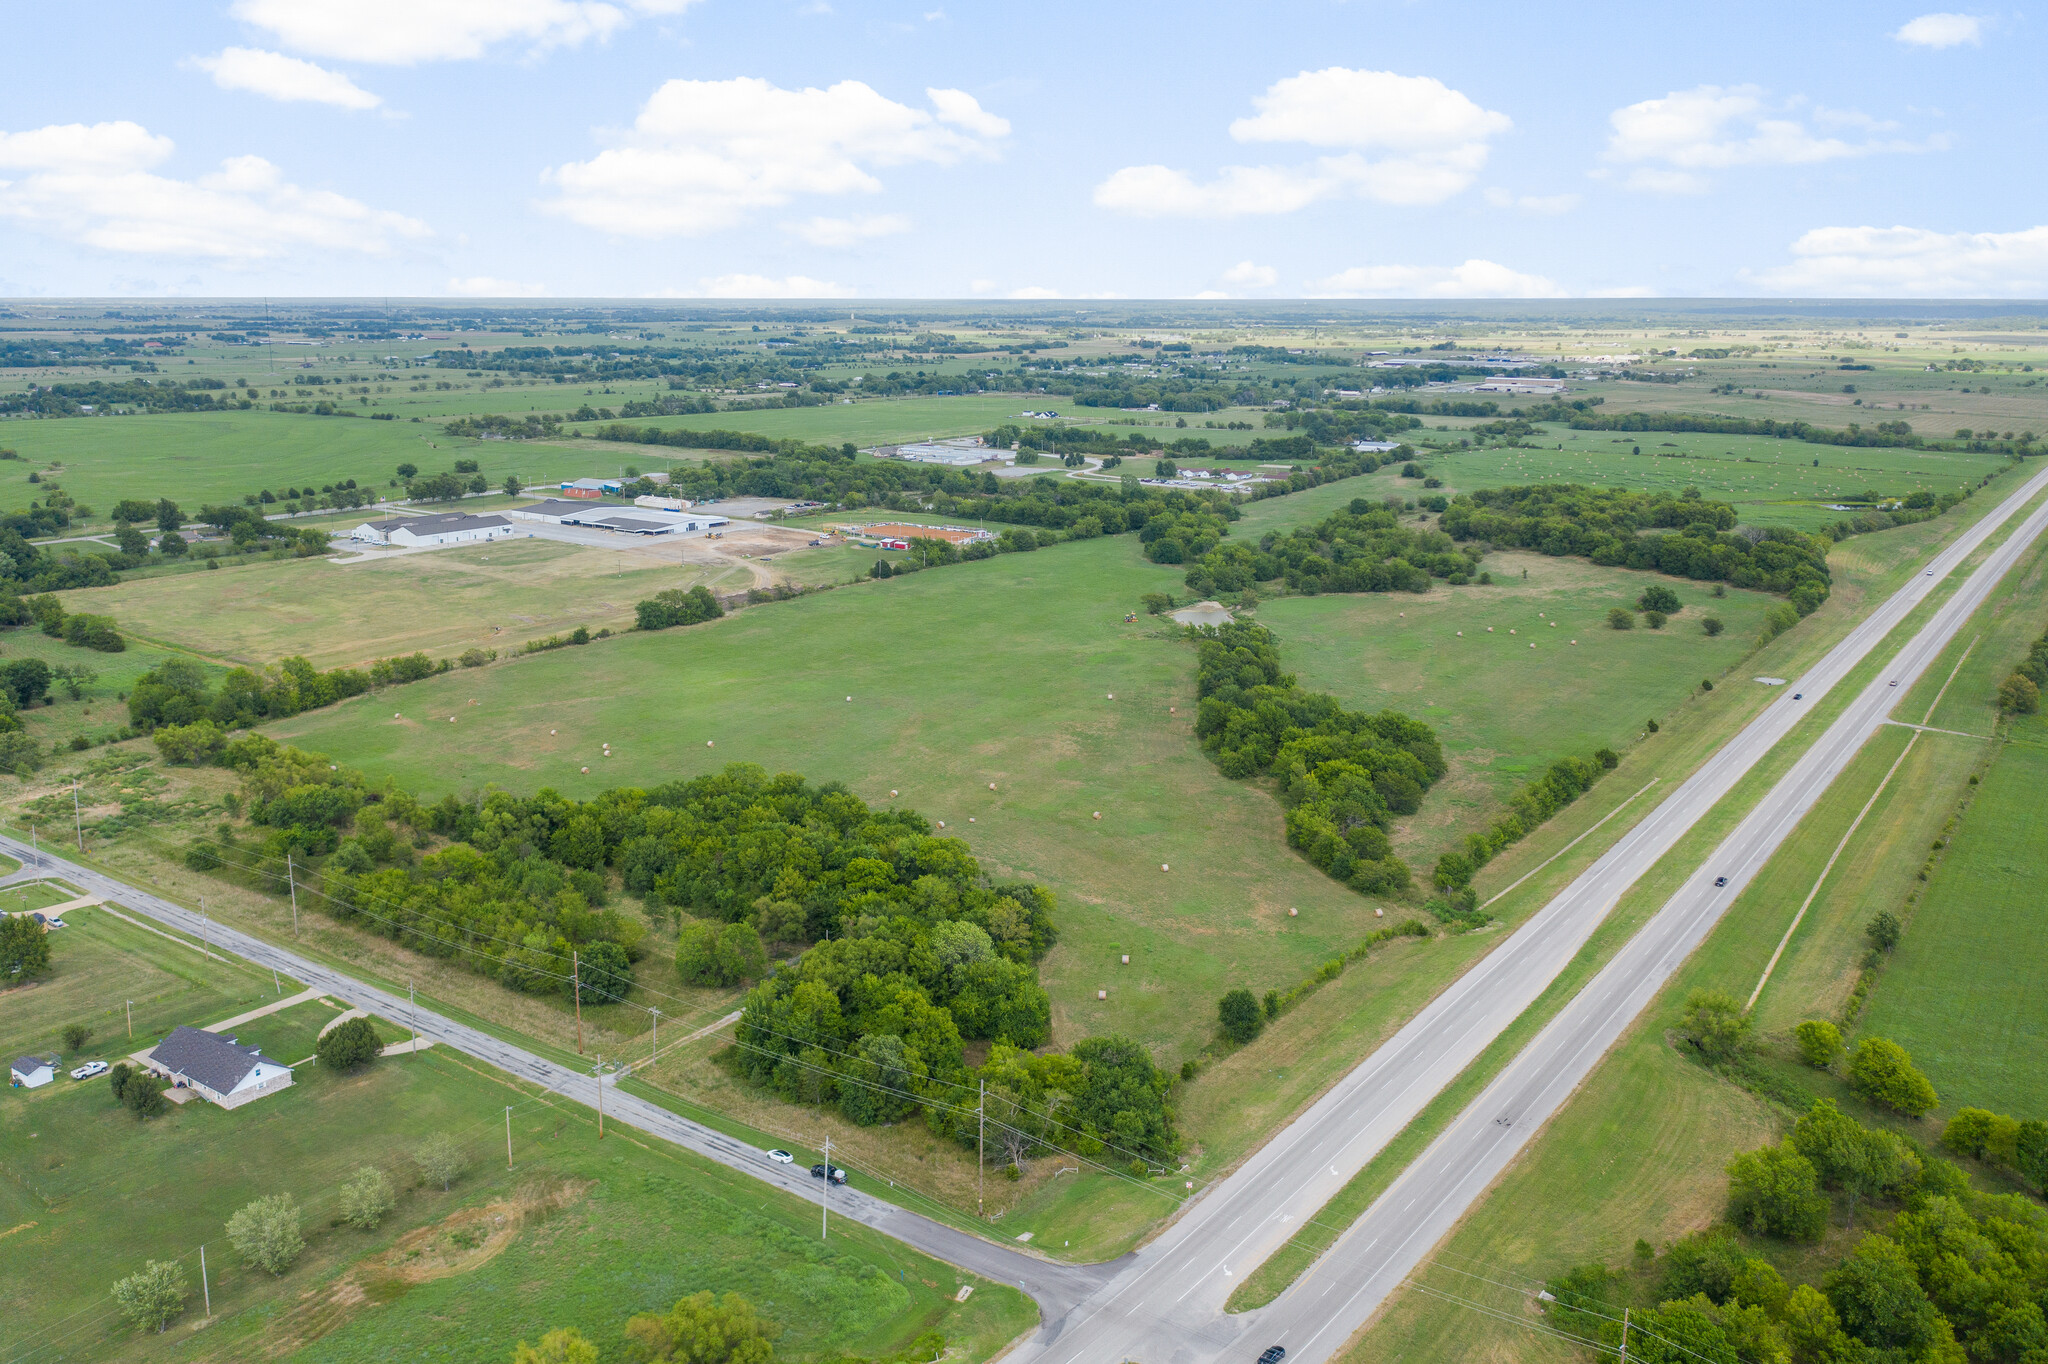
x=597, y=1231
x=1769, y=482
x=1505, y=711
x=97, y=712
x=1962, y=992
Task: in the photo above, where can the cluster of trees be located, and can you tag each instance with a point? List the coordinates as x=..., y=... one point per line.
x=248, y=529
x=1363, y=548
x=96, y=396
x=1952, y=1275
x=497, y=426
x=677, y=607
x=1182, y=537
x=81, y=630
x=24, y=949
x=1342, y=774
x=31, y=568
x=1606, y=525
x=1885, y=433
x=339, y=496
x=2020, y=693
x=55, y=352
x=929, y=552
x=177, y=695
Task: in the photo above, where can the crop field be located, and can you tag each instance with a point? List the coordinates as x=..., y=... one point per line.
x=1769, y=482
x=492, y=596
x=576, y=1233
x=1504, y=710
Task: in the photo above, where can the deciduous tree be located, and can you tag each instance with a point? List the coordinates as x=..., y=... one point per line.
x=151, y=1298
x=266, y=1232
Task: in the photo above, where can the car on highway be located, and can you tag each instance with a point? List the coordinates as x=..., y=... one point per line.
x=89, y=1069
x=1720, y=880
x=1798, y=696
x=1273, y=1355
x=838, y=1175
x=1930, y=572
x=781, y=1157
x=1893, y=683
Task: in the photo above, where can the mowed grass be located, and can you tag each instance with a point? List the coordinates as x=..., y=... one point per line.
x=1503, y=710
x=994, y=672
x=98, y=711
x=578, y=1233
x=1962, y=992
x=99, y=962
x=1770, y=482
x=492, y=596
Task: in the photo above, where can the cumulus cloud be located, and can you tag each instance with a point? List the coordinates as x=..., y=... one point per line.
x=962, y=110
x=94, y=184
x=402, y=32
x=487, y=286
x=1392, y=138
x=705, y=155
x=1034, y=291
x=1899, y=261
x=766, y=286
x=1473, y=279
x=276, y=76
x=850, y=231
x=1941, y=30
x=1671, y=141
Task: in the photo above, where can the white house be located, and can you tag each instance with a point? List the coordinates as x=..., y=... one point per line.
x=447, y=528
x=32, y=1072
x=216, y=1068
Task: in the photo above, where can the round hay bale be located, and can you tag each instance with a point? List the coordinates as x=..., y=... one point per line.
x=1162, y=866
x=1102, y=994
x=970, y=819
x=849, y=698
x=710, y=743
x=991, y=786
x=1292, y=912
x=942, y=824
x=586, y=769
x=1378, y=913
x=892, y=792
x=1112, y=696
x=1098, y=814
x=1127, y=959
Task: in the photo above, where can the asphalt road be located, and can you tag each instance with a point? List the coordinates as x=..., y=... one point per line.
x=1167, y=1305
x=1055, y=1287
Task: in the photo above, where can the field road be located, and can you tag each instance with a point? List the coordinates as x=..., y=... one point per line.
x=1166, y=1306
x=1054, y=1287
x=1164, y=1303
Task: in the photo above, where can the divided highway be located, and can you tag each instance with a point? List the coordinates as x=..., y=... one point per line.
x=1164, y=1303
x=1167, y=1306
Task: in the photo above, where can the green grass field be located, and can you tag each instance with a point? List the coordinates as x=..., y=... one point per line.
x=1503, y=710
x=578, y=1233
x=1962, y=993
x=98, y=711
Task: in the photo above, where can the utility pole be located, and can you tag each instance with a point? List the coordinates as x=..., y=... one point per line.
x=292, y=880
x=508, y=1136
x=825, y=1218
x=204, y=950
x=656, y=1051
x=35, y=845
x=1624, y=1335
x=77, y=820
x=412, y=1002
x=275, y=987
x=204, y=1286
x=598, y=1071
x=131, y=1019
x=980, y=1136
x=576, y=989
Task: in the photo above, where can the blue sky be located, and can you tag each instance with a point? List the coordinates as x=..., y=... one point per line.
x=795, y=148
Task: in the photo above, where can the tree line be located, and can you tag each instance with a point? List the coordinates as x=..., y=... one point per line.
x=1363, y=548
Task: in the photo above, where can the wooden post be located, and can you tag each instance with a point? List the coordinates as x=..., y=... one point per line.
x=576, y=989
x=508, y=1136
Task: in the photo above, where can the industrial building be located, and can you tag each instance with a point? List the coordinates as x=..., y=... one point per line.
x=447, y=528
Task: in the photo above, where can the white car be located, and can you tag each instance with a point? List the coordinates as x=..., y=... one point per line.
x=781, y=1157
x=89, y=1069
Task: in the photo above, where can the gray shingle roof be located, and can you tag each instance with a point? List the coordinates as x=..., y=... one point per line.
x=206, y=1057
x=28, y=1065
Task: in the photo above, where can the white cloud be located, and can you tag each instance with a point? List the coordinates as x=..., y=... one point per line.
x=1898, y=261
x=1671, y=140
x=1034, y=291
x=848, y=231
x=485, y=286
x=1623, y=291
x=279, y=77
x=1546, y=204
x=1246, y=275
x=1941, y=30
x=401, y=32
x=92, y=184
x=1473, y=279
x=765, y=286
x=962, y=110
x=704, y=155
x=1405, y=140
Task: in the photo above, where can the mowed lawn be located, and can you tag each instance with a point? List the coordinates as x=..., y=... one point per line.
x=578, y=1233
x=492, y=596
x=1963, y=991
x=1504, y=710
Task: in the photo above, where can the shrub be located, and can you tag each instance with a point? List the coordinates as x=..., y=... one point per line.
x=719, y=954
x=1654, y=619
x=440, y=1160
x=1658, y=597
x=1621, y=618
x=201, y=855
x=151, y=1298
x=1240, y=1015
x=675, y=607
x=703, y=1329
x=1883, y=930
x=1883, y=1072
x=1156, y=603
x=2018, y=695
x=93, y=632
x=1820, y=1042
x=191, y=745
x=1716, y=1024
x=1712, y=625
x=143, y=1094
x=366, y=1198
x=76, y=1035
x=1969, y=1131
x=266, y=1232
x=349, y=1044
x=1775, y=1191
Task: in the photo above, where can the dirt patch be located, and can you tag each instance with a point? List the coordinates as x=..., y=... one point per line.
x=465, y=1240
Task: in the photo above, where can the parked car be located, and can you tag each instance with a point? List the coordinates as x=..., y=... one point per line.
x=89, y=1069
x=781, y=1157
x=838, y=1175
